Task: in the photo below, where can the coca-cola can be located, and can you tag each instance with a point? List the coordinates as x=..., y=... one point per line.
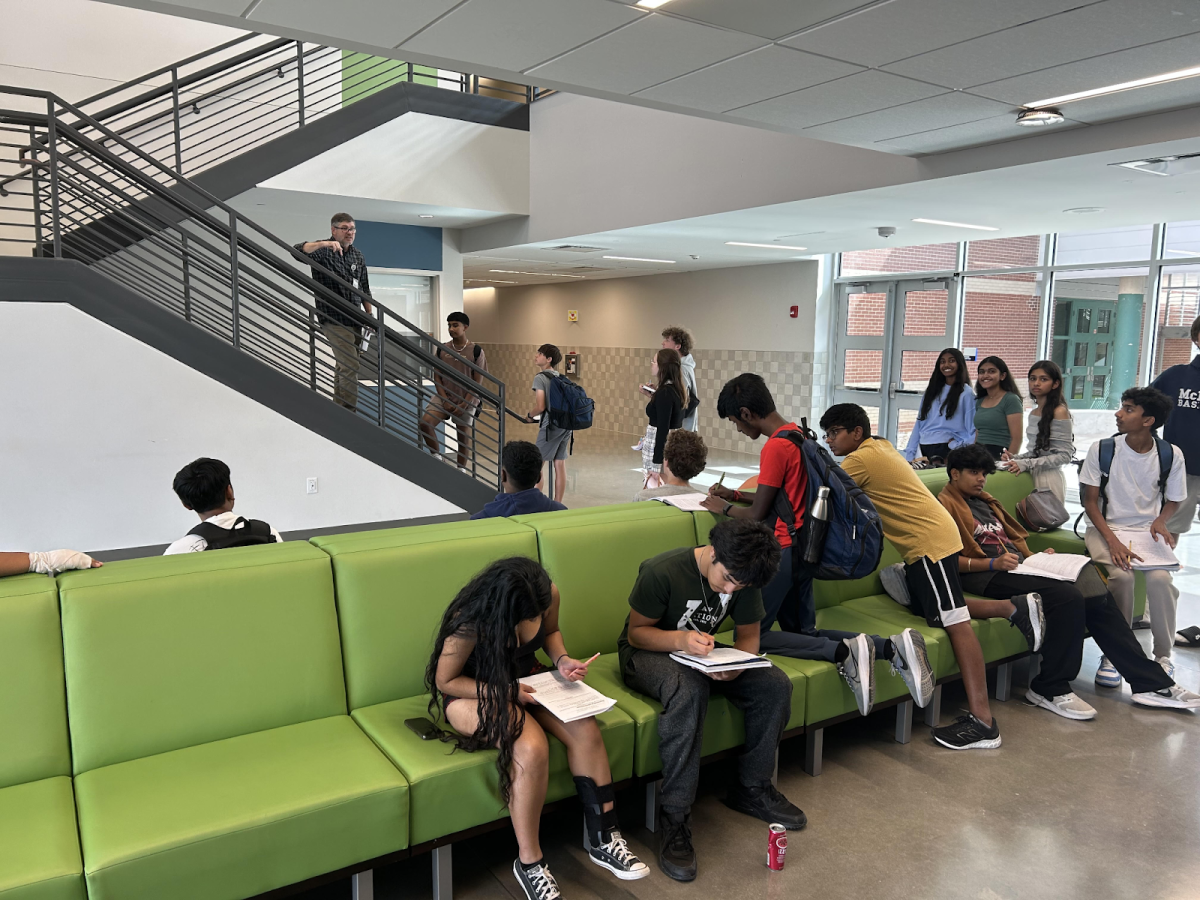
x=776, y=846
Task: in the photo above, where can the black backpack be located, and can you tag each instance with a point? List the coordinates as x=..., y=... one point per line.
x=244, y=533
x=1108, y=447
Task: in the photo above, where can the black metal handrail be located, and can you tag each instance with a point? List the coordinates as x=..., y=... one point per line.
x=131, y=217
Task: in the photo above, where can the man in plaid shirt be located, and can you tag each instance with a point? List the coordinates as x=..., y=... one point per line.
x=342, y=330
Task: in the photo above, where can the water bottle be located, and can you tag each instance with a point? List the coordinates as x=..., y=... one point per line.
x=818, y=523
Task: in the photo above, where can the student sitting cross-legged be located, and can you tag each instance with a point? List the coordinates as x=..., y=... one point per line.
x=927, y=538
x=520, y=469
x=994, y=545
x=678, y=603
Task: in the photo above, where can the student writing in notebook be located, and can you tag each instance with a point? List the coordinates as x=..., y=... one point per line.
x=684, y=457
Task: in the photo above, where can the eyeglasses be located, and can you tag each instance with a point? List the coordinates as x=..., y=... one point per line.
x=833, y=432
x=344, y=228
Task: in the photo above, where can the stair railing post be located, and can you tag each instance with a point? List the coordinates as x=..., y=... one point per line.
x=300, y=78
x=38, y=249
x=235, y=303
x=379, y=352
x=175, y=115
x=312, y=350
x=52, y=138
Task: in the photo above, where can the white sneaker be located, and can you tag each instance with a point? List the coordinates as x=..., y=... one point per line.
x=1173, y=697
x=859, y=671
x=1107, y=674
x=1167, y=666
x=1069, y=706
x=638, y=445
x=911, y=662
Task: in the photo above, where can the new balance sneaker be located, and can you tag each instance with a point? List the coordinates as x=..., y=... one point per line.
x=859, y=671
x=766, y=803
x=1030, y=619
x=911, y=662
x=1167, y=666
x=536, y=880
x=1107, y=674
x=1068, y=705
x=1173, y=697
x=676, y=856
x=617, y=857
x=968, y=733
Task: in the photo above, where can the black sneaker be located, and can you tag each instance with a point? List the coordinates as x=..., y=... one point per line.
x=676, y=856
x=766, y=803
x=968, y=733
x=536, y=881
x=1030, y=619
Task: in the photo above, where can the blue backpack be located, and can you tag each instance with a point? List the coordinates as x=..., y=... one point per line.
x=568, y=404
x=853, y=540
x=1108, y=446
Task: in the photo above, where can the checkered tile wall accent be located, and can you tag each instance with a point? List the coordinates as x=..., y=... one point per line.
x=611, y=376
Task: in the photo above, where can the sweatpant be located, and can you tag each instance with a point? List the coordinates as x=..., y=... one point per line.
x=789, y=600
x=763, y=695
x=1161, y=595
x=1067, y=613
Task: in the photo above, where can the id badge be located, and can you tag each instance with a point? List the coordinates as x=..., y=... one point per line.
x=355, y=283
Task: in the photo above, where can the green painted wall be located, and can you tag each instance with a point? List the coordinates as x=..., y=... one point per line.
x=364, y=75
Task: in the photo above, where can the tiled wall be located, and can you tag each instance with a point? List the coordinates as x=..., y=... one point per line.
x=611, y=376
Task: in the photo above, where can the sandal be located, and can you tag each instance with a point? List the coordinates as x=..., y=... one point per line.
x=1188, y=637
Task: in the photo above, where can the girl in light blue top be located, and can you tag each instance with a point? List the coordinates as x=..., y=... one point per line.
x=947, y=417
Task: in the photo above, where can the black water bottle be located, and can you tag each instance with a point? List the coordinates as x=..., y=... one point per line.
x=818, y=524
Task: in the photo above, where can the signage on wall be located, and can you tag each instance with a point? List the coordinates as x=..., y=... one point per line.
x=794, y=312
x=970, y=354
x=572, y=315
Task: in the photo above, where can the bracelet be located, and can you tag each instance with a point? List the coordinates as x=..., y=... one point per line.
x=991, y=562
x=737, y=496
x=560, y=659
x=725, y=511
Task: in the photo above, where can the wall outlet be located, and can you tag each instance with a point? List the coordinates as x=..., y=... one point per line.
x=310, y=486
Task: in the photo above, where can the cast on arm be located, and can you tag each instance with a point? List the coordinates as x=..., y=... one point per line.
x=46, y=562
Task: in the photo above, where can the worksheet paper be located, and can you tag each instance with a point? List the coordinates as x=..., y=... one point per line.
x=687, y=502
x=1155, y=554
x=567, y=700
x=1059, y=566
x=722, y=659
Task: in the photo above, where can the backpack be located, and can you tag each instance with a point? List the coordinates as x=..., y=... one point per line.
x=853, y=536
x=244, y=533
x=567, y=404
x=693, y=404
x=1108, y=446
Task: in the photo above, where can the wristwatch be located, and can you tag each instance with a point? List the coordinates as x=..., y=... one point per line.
x=725, y=511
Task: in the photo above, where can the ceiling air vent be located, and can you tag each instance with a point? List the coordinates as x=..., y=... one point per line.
x=575, y=248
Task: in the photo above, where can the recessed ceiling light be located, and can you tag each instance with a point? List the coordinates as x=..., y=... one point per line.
x=669, y=262
x=1036, y=118
x=651, y=4
x=956, y=224
x=1177, y=75
x=535, y=274
x=487, y=281
x=768, y=246
x=424, y=216
x=1084, y=210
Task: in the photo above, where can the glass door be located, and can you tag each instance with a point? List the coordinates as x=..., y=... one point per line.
x=1083, y=343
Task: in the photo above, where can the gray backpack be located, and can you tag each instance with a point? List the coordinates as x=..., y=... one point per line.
x=1042, y=511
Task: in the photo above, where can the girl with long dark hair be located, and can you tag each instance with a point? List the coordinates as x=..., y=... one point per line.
x=1051, y=441
x=665, y=409
x=998, y=409
x=488, y=639
x=947, y=417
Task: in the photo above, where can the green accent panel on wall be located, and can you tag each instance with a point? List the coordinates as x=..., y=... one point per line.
x=364, y=75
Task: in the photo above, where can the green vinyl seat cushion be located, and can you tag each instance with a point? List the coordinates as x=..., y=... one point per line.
x=639, y=510
x=241, y=816
x=39, y=842
x=451, y=790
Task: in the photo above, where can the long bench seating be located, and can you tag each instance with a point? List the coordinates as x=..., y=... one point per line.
x=236, y=719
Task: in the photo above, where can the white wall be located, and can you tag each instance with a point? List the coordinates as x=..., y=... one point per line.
x=97, y=424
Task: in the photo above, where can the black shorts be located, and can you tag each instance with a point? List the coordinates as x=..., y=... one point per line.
x=935, y=590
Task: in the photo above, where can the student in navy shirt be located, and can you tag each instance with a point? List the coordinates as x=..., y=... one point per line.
x=520, y=470
x=1182, y=385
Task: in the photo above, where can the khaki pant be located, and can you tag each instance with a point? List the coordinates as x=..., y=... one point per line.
x=344, y=341
x=1161, y=595
x=1181, y=522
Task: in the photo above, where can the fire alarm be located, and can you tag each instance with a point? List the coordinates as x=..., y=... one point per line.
x=572, y=315
x=794, y=312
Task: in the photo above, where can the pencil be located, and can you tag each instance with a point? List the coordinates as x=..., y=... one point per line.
x=721, y=480
x=588, y=662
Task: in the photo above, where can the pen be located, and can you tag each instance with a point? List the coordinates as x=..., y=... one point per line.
x=721, y=480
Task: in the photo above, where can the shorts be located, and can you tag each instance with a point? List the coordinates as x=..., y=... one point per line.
x=936, y=592
x=554, y=447
x=437, y=409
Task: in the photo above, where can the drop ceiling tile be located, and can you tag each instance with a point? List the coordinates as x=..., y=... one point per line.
x=376, y=22
x=756, y=76
x=228, y=7
x=1067, y=37
x=1141, y=102
x=905, y=28
x=1112, y=68
x=943, y=111
x=654, y=49
x=854, y=95
x=956, y=137
x=766, y=18
x=518, y=34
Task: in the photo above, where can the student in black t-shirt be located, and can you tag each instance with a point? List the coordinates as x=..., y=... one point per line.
x=678, y=603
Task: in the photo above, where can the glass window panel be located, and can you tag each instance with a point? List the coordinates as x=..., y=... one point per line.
x=866, y=314
x=1062, y=318
x=1101, y=357
x=1099, y=389
x=1081, y=352
x=1000, y=318
x=916, y=367
x=1077, y=387
x=1178, y=307
x=1182, y=239
x=905, y=420
x=1103, y=245
x=408, y=296
x=1059, y=352
x=1005, y=253
x=864, y=369
x=888, y=260
x=1103, y=321
x=1083, y=321
x=925, y=313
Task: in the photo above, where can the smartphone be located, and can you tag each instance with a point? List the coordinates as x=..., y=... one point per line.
x=423, y=728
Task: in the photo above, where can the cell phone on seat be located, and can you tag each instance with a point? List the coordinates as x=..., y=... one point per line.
x=423, y=728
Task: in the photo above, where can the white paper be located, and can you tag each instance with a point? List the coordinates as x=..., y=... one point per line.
x=567, y=700
x=688, y=502
x=1059, y=566
x=722, y=659
x=1155, y=554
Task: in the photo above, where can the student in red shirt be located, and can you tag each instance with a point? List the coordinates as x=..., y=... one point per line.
x=788, y=598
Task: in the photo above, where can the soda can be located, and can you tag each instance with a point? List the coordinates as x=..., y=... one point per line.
x=776, y=846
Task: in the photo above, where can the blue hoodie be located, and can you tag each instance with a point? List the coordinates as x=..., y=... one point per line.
x=959, y=429
x=1182, y=385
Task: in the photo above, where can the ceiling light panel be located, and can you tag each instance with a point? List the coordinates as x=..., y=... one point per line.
x=534, y=274
x=669, y=262
x=652, y=4
x=768, y=246
x=1177, y=75
x=956, y=224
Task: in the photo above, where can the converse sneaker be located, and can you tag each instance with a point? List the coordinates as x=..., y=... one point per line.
x=859, y=671
x=676, y=855
x=1167, y=666
x=617, y=857
x=968, y=733
x=1068, y=705
x=911, y=662
x=1173, y=697
x=536, y=880
x=1030, y=619
x=1107, y=674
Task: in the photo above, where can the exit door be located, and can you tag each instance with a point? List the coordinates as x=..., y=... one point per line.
x=1083, y=345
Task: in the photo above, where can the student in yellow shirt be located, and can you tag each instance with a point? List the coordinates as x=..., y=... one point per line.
x=927, y=538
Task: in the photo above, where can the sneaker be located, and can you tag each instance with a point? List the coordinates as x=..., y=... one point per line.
x=1030, y=619
x=859, y=671
x=766, y=803
x=1167, y=666
x=1107, y=674
x=1173, y=697
x=968, y=733
x=618, y=858
x=637, y=446
x=895, y=584
x=1069, y=706
x=536, y=881
x=676, y=855
x=911, y=662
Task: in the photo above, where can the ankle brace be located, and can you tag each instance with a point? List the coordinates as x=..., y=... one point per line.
x=593, y=797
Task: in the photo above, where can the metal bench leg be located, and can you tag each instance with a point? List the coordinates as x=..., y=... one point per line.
x=652, y=805
x=362, y=885
x=443, y=872
x=933, y=711
x=904, y=717
x=814, y=747
x=1003, y=681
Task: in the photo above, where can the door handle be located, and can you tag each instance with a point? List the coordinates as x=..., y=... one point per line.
x=892, y=390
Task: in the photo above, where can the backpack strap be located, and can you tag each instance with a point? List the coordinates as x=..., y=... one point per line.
x=478, y=350
x=1166, y=458
x=781, y=507
x=1108, y=447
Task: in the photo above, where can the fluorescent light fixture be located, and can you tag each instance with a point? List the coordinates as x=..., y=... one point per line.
x=768, y=246
x=1183, y=252
x=1177, y=75
x=487, y=281
x=534, y=274
x=956, y=224
x=669, y=262
x=424, y=216
x=651, y=4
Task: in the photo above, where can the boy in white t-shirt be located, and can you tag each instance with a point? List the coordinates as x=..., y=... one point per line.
x=1135, y=503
